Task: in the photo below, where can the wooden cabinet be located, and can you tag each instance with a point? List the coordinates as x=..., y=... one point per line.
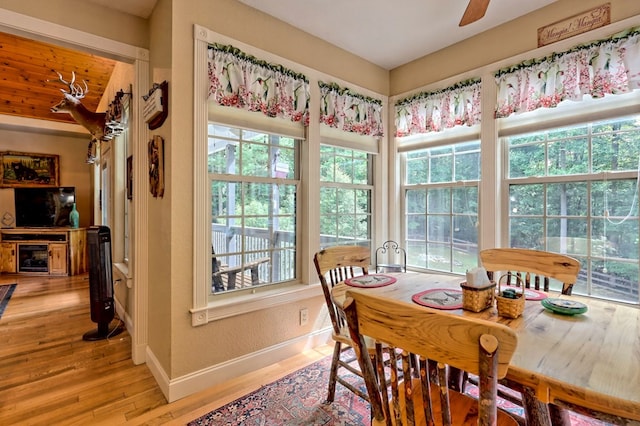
x=44, y=251
x=8, y=257
x=58, y=259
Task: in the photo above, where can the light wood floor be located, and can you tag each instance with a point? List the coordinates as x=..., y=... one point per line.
x=49, y=375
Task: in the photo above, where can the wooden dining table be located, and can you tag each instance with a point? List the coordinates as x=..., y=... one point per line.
x=590, y=361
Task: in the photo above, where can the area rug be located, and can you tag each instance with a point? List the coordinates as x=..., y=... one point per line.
x=5, y=294
x=298, y=399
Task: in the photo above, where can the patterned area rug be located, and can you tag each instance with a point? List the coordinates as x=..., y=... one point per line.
x=5, y=294
x=298, y=399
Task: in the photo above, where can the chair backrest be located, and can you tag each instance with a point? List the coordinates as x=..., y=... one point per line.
x=532, y=266
x=390, y=257
x=480, y=347
x=336, y=264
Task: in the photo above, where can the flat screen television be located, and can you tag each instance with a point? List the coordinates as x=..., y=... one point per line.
x=44, y=207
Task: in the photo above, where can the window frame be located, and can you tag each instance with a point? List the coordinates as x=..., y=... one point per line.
x=241, y=179
x=202, y=311
x=589, y=178
x=442, y=141
x=369, y=186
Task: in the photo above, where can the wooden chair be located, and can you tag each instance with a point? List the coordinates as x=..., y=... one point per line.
x=405, y=394
x=534, y=268
x=333, y=265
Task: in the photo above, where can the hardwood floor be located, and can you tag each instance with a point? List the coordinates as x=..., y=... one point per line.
x=49, y=375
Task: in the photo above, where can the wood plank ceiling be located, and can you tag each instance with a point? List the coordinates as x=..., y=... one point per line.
x=29, y=85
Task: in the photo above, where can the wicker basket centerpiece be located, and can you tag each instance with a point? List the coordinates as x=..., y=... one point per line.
x=510, y=301
x=476, y=299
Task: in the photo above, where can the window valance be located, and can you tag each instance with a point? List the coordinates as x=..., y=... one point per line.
x=603, y=67
x=239, y=80
x=342, y=109
x=425, y=112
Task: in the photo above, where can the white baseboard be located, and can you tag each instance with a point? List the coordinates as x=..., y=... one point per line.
x=180, y=387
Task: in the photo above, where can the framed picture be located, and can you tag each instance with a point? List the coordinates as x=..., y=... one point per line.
x=156, y=166
x=28, y=169
x=130, y=177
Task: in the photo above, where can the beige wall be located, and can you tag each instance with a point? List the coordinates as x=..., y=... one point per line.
x=85, y=16
x=161, y=286
x=74, y=171
x=187, y=348
x=510, y=39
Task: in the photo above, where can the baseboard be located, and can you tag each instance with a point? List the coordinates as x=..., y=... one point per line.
x=180, y=387
x=138, y=352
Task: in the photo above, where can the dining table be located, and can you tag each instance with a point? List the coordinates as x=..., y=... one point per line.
x=589, y=362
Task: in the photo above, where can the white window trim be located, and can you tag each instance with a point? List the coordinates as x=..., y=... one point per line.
x=202, y=310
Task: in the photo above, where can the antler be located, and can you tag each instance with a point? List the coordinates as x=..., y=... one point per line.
x=75, y=90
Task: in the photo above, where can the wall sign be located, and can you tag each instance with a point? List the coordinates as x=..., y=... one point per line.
x=156, y=105
x=577, y=24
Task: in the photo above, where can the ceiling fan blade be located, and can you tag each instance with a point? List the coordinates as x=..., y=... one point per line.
x=475, y=10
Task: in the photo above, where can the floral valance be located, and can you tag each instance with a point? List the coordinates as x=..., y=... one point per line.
x=603, y=67
x=343, y=109
x=242, y=81
x=425, y=112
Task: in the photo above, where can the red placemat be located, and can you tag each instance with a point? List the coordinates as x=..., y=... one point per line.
x=370, y=281
x=531, y=294
x=439, y=298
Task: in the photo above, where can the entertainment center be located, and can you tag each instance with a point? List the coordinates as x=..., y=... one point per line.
x=43, y=251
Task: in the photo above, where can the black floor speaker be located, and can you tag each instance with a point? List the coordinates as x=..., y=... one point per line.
x=101, y=284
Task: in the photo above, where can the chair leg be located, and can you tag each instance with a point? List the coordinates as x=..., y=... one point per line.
x=333, y=375
x=535, y=412
x=559, y=416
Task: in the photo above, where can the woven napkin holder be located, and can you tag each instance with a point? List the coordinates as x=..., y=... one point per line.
x=476, y=299
x=510, y=307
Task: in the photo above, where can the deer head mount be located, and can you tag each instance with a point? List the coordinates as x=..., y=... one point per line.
x=94, y=122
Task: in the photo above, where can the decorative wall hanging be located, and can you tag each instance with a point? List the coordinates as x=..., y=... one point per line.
x=114, y=117
x=577, y=24
x=239, y=80
x=156, y=166
x=156, y=105
x=94, y=122
x=345, y=110
x=27, y=169
x=130, y=177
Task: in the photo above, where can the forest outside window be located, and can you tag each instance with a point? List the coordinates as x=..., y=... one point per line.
x=574, y=190
x=254, y=195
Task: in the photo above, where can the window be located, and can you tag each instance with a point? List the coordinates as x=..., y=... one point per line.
x=441, y=207
x=345, y=196
x=574, y=190
x=253, y=187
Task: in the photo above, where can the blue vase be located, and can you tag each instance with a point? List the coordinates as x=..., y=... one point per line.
x=74, y=217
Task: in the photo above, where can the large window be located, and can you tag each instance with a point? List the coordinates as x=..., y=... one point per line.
x=254, y=186
x=574, y=190
x=346, y=186
x=441, y=207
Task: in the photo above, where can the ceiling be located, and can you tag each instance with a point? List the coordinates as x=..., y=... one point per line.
x=391, y=33
x=383, y=32
x=386, y=33
x=29, y=85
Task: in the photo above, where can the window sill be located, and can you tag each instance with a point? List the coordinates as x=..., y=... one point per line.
x=122, y=273
x=247, y=303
